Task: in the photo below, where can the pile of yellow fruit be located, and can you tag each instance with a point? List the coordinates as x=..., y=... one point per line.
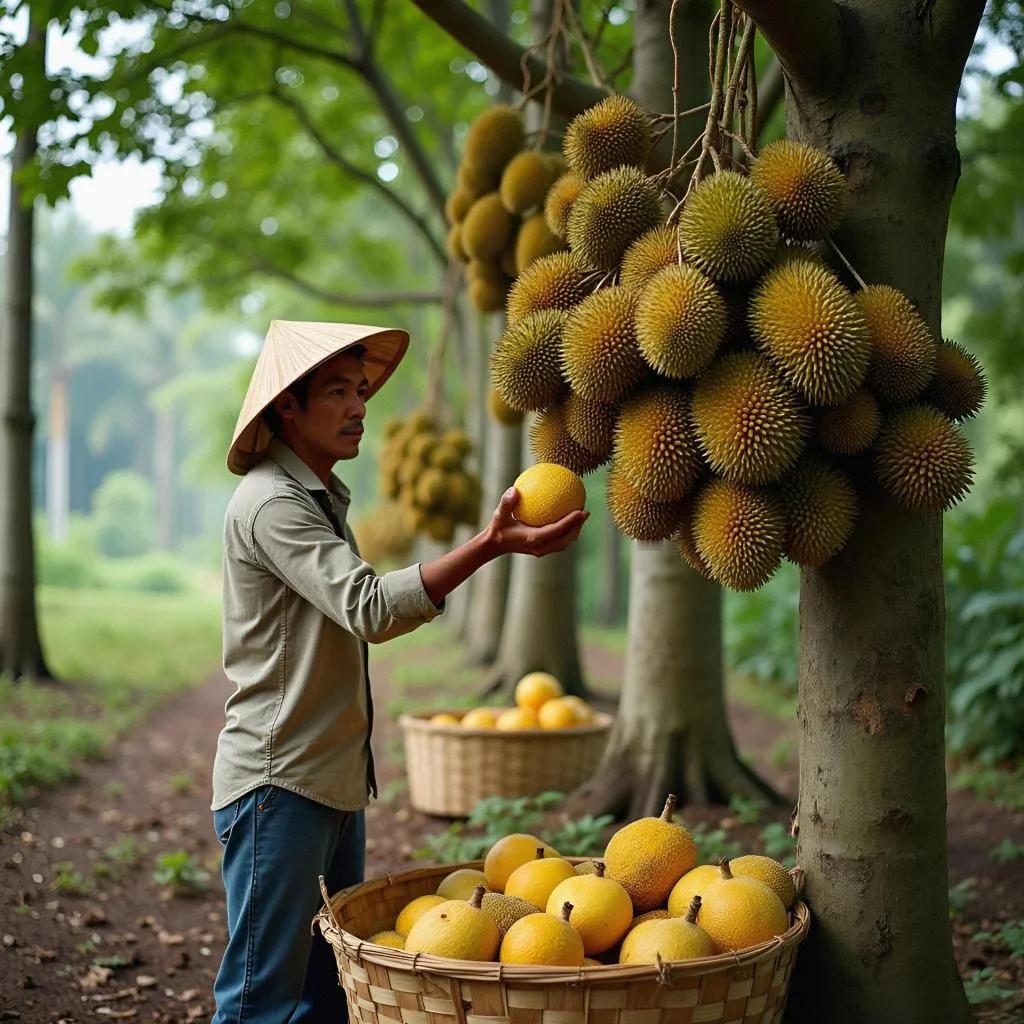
x=423, y=469
x=646, y=901
x=540, y=704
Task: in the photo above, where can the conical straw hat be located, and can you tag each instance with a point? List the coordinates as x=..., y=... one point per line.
x=291, y=349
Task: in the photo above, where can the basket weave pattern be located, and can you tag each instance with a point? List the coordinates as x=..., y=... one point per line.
x=387, y=985
x=451, y=769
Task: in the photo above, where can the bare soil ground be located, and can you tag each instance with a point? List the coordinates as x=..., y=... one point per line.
x=88, y=935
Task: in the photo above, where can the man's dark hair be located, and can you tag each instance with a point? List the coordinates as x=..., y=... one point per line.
x=299, y=390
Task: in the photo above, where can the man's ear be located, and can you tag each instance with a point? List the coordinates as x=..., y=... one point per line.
x=286, y=406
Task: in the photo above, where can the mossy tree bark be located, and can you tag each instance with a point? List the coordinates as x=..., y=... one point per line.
x=876, y=85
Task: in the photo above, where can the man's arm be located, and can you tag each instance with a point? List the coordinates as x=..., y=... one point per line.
x=503, y=535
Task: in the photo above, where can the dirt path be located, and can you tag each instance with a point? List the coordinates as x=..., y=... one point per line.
x=88, y=935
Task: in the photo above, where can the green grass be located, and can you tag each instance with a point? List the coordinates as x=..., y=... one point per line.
x=117, y=656
x=999, y=785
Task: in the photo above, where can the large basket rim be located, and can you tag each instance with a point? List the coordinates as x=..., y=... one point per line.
x=468, y=970
x=419, y=721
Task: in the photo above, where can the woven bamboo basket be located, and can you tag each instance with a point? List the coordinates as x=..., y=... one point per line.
x=451, y=769
x=385, y=985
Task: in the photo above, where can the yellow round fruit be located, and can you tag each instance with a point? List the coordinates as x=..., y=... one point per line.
x=739, y=911
x=671, y=938
x=461, y=884
x=693, y=883
x=444, y=718
x=587, y=867
x=414, y=910
x=557, y=714
x=544, y=939
x=584, y=712
x=535, y=880
x=589, y=961
x=507, y=854
x=652, y=915
x=602, y=912
x=536, y=688
x=389, y=938
x=518, y=718
x=480, y=718
x=547, y=493
x=504, y=910
x=771, y=872
x=458, y=929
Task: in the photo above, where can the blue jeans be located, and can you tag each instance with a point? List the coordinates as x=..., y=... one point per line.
x=276, y=845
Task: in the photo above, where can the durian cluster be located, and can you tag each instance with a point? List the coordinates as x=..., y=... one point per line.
x=384, y=535
x=496, y=212
x=740, y=390
x=423, y=470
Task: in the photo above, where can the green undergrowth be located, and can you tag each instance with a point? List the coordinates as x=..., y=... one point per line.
x=117, y=656
x=1002, y=785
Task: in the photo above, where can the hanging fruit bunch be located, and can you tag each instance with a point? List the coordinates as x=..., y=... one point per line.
x=739, y=388
x=384, y=534
x=424, y=469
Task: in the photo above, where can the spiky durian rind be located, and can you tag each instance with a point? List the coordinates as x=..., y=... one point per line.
x=487, y=228
x=591, y=424
x=687, y=543
x=551, y=442
x=809, y=325
x=850, y=428
x=526, y=366
x=494, y=137
x=533, y=241
x=613, y=133
x=903, y=350
x=820, y=506
x=638, y=517
x=652, y=251
x=457, y=204
x=959, y=386
x=558, y=204
x=558, y=281
x=525, y=182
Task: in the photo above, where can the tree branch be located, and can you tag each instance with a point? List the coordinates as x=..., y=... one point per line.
x=771, y=92
x=806, y=37
x=503, y=56
x=952, y=25
x=344, y=164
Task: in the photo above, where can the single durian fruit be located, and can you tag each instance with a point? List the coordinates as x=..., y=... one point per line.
x=680, y=321
x=811, y=328
x=687, y=543
x=750, y=424
x=430, y=487
x=453, y=243
x=457, y=204
x=591, y=424
x=558, y=204
x=804, y=187
x=613, y=133
x=457, y=929
x=526, y=367
x=558, y=281
x=959, y=386
x=923, y=459
x=850, y=428
x=458, y=439
x=494, y=138
x=903, y=351
x=550, y=441
x=501, y=411
x=820, y=507
x=504, y=910
x=477, y=180
x=739, y=911
x=638, y=517
x=525, y=181
x=739, y=532
x=533, y=241
x=600, y=353
x=769, y=871
x=655, y=449
x=727, y=228
x=487, y=228
x=486, y=296
x=610, y=212
x=651, y=252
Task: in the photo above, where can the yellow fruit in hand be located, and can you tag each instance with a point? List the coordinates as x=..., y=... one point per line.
x=535, y=689
x=392, y=939
x=414, y=910
x=444, y=718
x=458, y=929
x=602, y=911
x=518, y=718
x=738, y=911
x=479, y=718
x=584, y=712
x=693, y=883
x=507, y=854
x=557, y=714
x=461, y=883
x=670, y=938
x=649, y=856
x=544, y=939
x=771, y=872
x=547, y=492
x=535, y=880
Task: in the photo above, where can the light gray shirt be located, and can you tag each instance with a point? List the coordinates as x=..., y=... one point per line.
x=300, y=606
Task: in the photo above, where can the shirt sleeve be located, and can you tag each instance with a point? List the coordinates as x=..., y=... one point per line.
x=297, y=545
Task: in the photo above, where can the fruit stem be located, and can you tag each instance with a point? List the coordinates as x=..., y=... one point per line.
x=691, y=914
x=724, y=865
x=478, y=896
x=540, y=853
x=670, y=806
x=599, y=868
x=566, y=910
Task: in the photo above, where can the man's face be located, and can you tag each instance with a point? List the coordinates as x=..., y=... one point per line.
x=333, y=418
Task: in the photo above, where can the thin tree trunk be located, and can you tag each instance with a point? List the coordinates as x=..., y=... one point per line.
x=21, y=652
x=58, y=453
x=165, y=477
x=612, y=606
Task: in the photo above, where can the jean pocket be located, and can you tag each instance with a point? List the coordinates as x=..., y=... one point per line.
x=224, y=821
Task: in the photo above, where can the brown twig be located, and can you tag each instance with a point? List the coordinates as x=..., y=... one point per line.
x=849, y=266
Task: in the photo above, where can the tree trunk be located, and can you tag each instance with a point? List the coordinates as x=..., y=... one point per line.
x=872, y=836
x=165, y=477
x=612, y=606
x=21, y=652
x=57, y=453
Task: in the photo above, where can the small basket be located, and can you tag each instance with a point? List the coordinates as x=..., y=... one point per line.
x=386, y=985
x=451, y=769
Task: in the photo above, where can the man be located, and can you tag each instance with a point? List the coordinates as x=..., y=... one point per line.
x=294, y=768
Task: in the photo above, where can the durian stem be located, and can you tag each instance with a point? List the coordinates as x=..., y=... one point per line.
x=849, y=266
x=718, y=80
x=478, y=897
x=693, y=911
x=566, y=910
x=670, y=806
x=540, y=853
x=599, y=868
x=746, y=47
x=597, y=73
x=724, y=865
x=672, y=11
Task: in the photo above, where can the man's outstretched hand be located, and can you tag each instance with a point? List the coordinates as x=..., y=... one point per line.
x=509, y=536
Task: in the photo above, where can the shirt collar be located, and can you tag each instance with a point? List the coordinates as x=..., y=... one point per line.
x=299, y=471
